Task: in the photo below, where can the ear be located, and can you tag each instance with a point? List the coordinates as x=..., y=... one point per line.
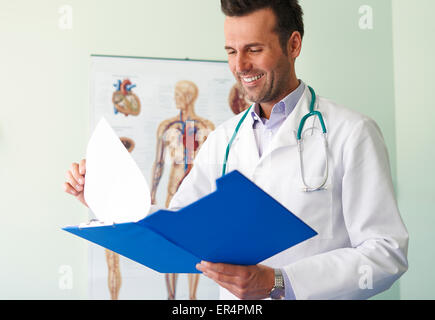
x=294, y=45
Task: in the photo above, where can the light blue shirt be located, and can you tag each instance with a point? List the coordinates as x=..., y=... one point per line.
x=264, y=131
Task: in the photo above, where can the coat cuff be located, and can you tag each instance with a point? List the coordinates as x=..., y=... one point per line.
x=289, y=293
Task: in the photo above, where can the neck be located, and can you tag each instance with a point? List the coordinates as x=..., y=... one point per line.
x=266, y=107
x=186, y=114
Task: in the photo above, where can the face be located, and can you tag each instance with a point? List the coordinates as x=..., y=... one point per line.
x=256, y=58
x=180, y=101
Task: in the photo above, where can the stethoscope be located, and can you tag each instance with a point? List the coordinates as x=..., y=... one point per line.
x=312, y=113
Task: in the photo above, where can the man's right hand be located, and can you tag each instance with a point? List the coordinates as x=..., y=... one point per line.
x=75, y=181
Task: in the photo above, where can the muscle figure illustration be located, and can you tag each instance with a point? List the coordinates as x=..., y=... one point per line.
x=180, y=137
x=237, y=100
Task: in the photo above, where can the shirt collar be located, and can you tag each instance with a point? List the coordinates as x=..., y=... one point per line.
x=282, y=108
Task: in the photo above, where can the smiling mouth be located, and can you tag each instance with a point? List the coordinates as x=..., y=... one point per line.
x=252, y=79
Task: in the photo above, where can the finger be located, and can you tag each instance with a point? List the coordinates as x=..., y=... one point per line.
x=81, y=198
x=73, y=182
x=67, y=188
x=223, y=278
x=76, y=174
x=229, y=269
x=82, y=167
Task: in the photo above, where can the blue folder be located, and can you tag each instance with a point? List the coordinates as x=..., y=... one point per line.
x=237, y=224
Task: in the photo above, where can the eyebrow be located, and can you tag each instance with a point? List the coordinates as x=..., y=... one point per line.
x=250, y=45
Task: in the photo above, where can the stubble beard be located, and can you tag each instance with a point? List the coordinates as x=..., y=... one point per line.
x=266, y=93
x=271, y=91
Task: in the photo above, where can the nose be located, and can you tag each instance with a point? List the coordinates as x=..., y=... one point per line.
x=243, y=64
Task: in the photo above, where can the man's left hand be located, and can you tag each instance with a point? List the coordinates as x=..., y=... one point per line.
x=245, y=282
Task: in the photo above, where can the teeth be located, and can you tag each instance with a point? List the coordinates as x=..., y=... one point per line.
x=252, y=79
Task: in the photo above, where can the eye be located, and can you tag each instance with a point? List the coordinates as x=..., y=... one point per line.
x=255, y=50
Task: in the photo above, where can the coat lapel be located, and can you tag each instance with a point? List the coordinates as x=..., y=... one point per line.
x=245, y=149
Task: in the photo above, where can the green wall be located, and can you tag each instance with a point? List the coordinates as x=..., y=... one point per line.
x=414, y=52
x=44, y=117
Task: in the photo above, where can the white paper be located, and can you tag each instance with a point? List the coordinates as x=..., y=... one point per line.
x=115, y=189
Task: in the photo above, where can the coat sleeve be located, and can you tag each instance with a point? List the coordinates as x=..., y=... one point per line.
x=377, y=256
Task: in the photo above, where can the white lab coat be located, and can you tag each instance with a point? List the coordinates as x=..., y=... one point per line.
x=361, y=246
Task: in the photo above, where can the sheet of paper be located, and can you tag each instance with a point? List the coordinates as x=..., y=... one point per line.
x=115, y=189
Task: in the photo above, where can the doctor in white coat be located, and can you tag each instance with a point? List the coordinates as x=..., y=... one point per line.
x=361, y=246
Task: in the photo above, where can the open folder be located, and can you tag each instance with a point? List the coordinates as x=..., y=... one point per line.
x=237, y=224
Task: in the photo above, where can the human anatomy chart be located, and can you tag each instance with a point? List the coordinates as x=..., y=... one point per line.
x=163, y=111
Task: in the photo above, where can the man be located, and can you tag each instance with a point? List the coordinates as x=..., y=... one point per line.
x=361, y=246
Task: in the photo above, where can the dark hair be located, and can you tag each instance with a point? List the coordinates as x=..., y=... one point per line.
x=289, y=15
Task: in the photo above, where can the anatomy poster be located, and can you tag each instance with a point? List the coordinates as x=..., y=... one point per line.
x=162, y=111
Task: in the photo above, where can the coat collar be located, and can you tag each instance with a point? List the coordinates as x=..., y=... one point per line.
x=286, y=135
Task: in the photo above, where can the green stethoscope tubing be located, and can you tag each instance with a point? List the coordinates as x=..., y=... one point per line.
x=236, y=131
x=312, y=113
